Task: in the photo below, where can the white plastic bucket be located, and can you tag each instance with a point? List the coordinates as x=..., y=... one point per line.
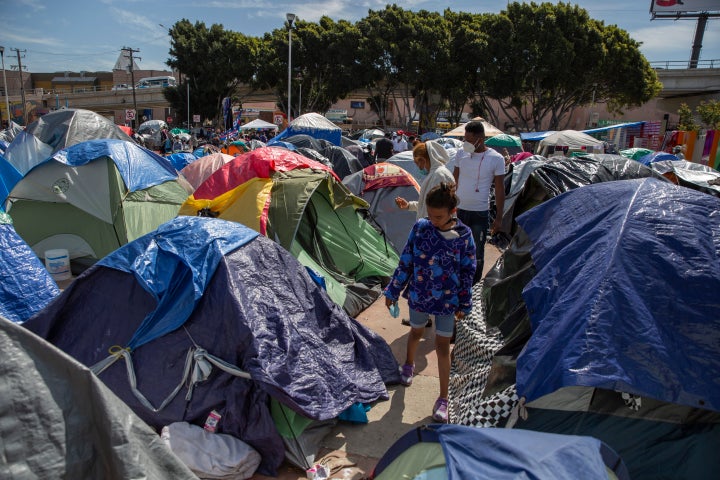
x=57, y=263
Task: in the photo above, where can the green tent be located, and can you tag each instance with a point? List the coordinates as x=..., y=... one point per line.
x=303, y=206
x=503, y=140
x=94, y=197
x=635, y=153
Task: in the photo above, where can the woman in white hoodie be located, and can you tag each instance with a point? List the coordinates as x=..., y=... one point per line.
x=430, y=157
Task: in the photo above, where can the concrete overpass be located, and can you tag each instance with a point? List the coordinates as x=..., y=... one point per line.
x=682, y=84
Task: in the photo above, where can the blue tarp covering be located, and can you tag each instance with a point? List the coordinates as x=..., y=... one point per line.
x=612, y=127
x=181, y=160
x=626, y=294
x=26, y=287
x=656, y=157
x=139, y=167
x=259, y=311
x=535, y=136
x=316, y=126
x=9, y=177
x=499, y=453
x=176, y=262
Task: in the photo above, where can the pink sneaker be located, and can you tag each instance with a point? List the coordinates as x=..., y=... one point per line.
x=440, y=410
x=406, y=374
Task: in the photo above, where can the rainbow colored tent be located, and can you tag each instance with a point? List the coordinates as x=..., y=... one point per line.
x=302, y=205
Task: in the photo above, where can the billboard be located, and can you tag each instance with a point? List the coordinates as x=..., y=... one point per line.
x=659, y=7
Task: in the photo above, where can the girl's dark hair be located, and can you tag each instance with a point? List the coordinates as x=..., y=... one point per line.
x=442, y=196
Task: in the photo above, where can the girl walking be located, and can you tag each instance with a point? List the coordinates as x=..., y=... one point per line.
x=435, y=274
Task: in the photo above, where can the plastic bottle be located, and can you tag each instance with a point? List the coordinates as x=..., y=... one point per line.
x=394, y=310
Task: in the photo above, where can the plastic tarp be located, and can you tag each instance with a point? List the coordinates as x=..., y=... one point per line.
x=535, y=136
x=58, y=130
x=60, y=421
x=139, y=167
x=9, y=177
x=12, y=131
x=181, y=160
x=626, y=294
x=635, y=153
x=688, y=174
x=26, y=287
x=656, y=157
x=312, y=124
x=174, y=265
x=504, y=454
x=537, y=179
x=260, y=311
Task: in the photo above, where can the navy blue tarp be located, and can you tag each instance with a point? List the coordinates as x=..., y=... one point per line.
x=626, y=293
x=259, y=311
x=26, y=287
x=499, y=453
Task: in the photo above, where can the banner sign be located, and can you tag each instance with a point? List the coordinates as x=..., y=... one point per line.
x=682, y=6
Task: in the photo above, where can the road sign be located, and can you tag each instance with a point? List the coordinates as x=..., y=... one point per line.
x=129, y=115
x=196, y=118
x=169, y=119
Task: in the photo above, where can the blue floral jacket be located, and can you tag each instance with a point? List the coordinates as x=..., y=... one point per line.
x=438, y=272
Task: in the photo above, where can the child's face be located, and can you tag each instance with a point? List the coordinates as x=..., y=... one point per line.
x=440, y=217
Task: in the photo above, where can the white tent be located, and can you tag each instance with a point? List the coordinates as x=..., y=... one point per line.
x=573, y=139
x=258, y=124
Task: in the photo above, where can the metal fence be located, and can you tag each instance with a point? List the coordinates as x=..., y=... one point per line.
x=683, y=64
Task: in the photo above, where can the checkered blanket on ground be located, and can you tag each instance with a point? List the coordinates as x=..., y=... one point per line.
x=472, y=359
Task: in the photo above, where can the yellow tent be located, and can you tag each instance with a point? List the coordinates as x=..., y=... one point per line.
x=459, y=131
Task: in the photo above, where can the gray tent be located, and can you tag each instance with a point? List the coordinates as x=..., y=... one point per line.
x=45, y=432
x=57, y=130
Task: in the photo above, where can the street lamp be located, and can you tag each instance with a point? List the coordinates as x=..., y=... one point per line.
x=290, y=19
x=7, y=102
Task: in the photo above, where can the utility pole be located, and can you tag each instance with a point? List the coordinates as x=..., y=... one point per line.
x=5, y=90
x=130, y=51
x=697, y=41
x=22, y=89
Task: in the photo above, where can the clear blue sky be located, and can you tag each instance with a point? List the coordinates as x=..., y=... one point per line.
x=88, y=35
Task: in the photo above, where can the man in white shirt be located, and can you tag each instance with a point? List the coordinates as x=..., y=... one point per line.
x=399, y=143
x=477, y=167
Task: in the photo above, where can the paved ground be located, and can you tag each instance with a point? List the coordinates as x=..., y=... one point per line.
x=407, y=408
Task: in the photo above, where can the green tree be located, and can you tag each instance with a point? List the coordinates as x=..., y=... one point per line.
x=548, y=59
x=686, y=121
x=710, y=114
x=468, y=49
x=321, y=63
x=214, y=61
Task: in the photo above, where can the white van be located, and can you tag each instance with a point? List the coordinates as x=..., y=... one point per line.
x=149, y=82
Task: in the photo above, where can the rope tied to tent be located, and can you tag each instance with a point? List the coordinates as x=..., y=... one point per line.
x=519, y=411
x=198, y=367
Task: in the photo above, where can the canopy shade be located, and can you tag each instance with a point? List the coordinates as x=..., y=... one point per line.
x=459, y=131
x=258, y=124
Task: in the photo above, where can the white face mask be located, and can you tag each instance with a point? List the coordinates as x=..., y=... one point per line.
x=468, y=147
